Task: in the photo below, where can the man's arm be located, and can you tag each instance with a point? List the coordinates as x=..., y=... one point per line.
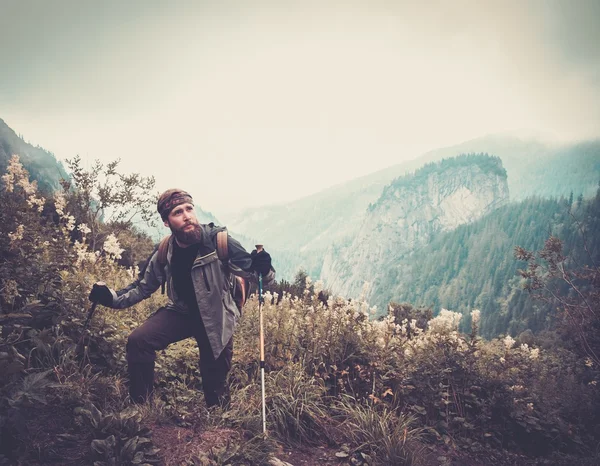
x=142, y=288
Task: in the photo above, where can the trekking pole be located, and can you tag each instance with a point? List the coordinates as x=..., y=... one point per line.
x=85, y=325
x=261, y=301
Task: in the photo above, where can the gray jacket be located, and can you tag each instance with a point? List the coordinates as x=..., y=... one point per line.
x=211, y=279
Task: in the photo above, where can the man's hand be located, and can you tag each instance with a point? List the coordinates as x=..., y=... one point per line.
x=101, y=294
x=261, y=261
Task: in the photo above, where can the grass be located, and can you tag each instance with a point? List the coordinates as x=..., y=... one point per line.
x=388, y=436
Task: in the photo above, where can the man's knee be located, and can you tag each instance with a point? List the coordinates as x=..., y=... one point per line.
x=139, y=348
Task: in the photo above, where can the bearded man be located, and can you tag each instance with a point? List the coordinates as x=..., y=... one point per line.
x=200, y=304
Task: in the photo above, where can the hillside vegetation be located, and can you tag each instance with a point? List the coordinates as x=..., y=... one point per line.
x=408, y=388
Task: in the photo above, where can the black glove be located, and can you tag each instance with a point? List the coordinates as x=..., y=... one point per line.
x=101, y=294
x=261, y=261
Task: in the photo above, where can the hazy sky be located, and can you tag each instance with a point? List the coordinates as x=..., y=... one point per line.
x=271, y=101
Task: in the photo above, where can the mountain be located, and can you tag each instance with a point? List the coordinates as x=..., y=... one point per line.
x=411, y=211
x=41, y=164
x=299, y=233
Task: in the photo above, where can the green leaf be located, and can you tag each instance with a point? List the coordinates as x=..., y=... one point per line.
x=129, y=449
x=105, y=447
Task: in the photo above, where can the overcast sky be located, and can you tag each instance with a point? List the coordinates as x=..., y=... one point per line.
x=271, y=101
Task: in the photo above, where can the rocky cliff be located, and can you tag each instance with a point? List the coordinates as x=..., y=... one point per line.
x=409, y=213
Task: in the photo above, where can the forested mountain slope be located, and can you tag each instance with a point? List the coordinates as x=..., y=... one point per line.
x=473, y=266
x=41, y=164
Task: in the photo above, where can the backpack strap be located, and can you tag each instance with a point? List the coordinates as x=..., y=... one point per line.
x=163, y=249
x=222, y=248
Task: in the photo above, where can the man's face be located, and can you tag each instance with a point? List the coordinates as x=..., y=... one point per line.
x=183, y=224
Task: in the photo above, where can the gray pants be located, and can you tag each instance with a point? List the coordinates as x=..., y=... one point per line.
x=168, y=326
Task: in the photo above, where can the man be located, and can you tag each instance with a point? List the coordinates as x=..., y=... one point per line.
x=200, y=304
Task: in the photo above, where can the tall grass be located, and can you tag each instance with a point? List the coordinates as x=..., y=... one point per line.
x=390, y=437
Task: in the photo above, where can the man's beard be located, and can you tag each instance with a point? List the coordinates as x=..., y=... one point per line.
x=191, y=236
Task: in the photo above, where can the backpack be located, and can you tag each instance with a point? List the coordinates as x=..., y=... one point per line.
x=238, y=286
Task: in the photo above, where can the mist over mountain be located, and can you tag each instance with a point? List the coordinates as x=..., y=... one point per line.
x=299, y=233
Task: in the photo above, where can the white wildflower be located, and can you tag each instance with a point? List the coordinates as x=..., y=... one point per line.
x=36, y=202
x=530, y=406
x=509, y=342
x=112, y=248
x=17, y=235
x=475, y=316
x=60, y=203
x=83, y=228
x=70, y=222
x=446, y=321
x=502, y=360
x=14, y=174
x=83, y=254
x=534, y=353
x=319, y=285
x=589, y=362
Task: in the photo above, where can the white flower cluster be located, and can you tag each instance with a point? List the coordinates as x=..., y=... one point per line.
x=531, y=353
x=307, y=283
x=17, y=235
x=112, y=247
x=83, y=228
x=84, y=254
x=60, y=204
x=475, y=316
x=447, y=321
x=319, y=286
x=509, y=342
x=16, y=175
